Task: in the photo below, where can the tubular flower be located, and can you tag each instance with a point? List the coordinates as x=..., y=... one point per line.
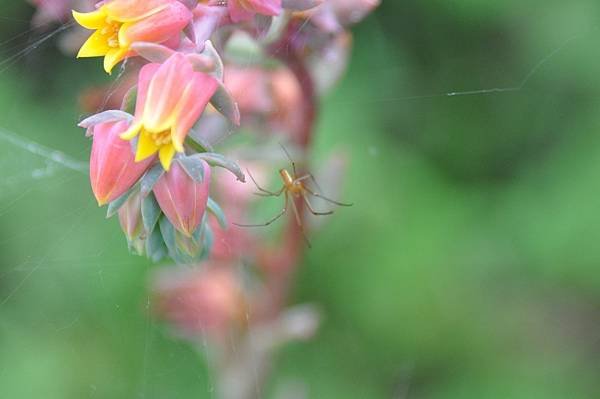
x=112, y=167
x=171, y=98
x=119, y=23
x=243, y=10
x=182, y=199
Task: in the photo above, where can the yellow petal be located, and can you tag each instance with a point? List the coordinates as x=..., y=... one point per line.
x=113, y=57
x=131, y=132
x=146, y=147
x=91, y=20
x=176, y=143
x=95, y=46
x=166, y=154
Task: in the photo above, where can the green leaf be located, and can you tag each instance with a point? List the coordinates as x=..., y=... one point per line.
x=150, y=212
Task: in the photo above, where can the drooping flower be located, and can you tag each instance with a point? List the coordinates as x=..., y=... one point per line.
x=119, y=23
x=171, y=98
x=182, y=199
x=243, y=10
x=113, y=169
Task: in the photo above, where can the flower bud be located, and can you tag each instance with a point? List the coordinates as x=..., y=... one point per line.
x=130, y=216
x=113, y=169
x=181, y=198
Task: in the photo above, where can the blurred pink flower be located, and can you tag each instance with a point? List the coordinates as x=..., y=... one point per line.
x=269, y=99
x=197, y=301
x=334, y=15
x=49, y=11
x=243, y=10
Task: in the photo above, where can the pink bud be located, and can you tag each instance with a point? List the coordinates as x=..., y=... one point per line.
x=181, y=198
x=130, y=216
x=113, y=169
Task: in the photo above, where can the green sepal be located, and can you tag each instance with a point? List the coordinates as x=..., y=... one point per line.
x=114, y=206
x=198, y=143
x=150, y=178
x=129, y=100
x=167, y=230
x=136, y=246
x=223, y=101
x=216, y=159
x=155, y=246
x=192, y=167
x=150, y=212
x=208, y=240
x=214, y=208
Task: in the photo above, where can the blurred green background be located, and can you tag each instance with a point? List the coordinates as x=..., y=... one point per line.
x=469, y=266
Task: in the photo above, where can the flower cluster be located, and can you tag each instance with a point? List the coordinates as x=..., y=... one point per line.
x=190, y=74
x=199, y=69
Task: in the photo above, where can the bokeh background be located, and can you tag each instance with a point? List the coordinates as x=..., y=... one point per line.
x=469, y=266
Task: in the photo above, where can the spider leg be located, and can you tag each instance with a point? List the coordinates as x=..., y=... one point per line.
x=299, y=221
x=265, y=191
x=312, y=210
x=318, y=195
x=290, y=158
x=273, y=219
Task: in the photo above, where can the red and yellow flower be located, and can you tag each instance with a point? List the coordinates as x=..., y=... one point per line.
x=171, y=98
x=119, y=23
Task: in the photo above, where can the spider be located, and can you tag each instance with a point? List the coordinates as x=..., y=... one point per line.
x=295, y=187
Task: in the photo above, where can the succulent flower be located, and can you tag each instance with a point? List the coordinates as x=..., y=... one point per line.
x=119, y=23
x=171, y=98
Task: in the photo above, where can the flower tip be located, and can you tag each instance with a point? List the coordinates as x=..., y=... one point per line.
x=102, y=201
x=166, y=164
x=90, y=20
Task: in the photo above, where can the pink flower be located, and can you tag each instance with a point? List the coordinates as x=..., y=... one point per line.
x=243, y=10
x=119, y=23
x=171, y=98
x=113, y=169
x=183, y=199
